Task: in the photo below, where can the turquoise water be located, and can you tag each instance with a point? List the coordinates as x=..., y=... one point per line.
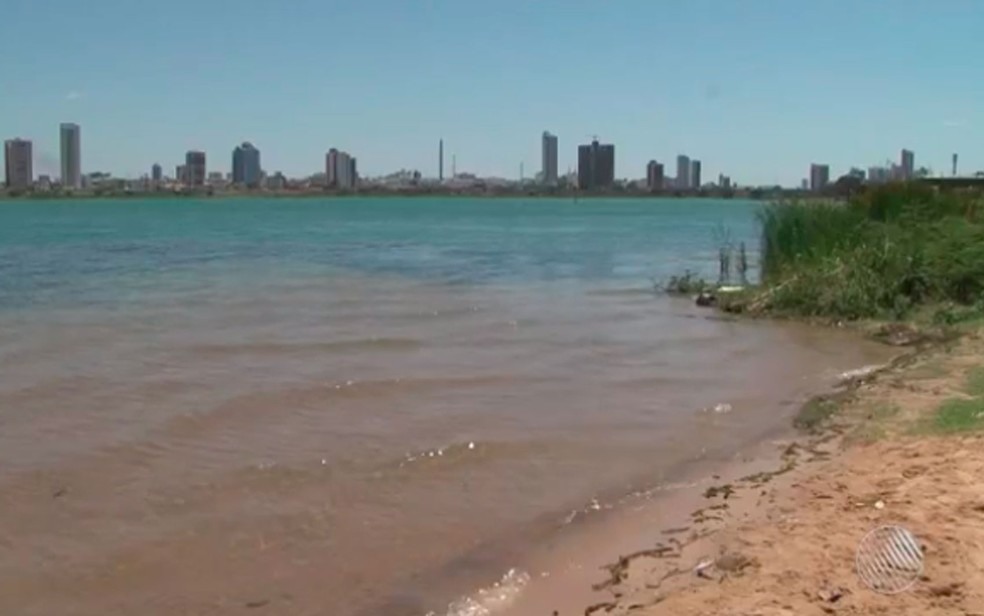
x=83, y=252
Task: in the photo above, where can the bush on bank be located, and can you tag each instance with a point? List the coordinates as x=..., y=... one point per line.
x=886, y=253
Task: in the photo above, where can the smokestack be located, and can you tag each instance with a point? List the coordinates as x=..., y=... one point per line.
x=440, y=161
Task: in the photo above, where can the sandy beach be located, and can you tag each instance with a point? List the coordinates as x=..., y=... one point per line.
x=784, y=541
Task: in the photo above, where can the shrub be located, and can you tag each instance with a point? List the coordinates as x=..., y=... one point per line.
x=885, y=253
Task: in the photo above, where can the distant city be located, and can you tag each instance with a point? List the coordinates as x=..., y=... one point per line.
x=595, y=173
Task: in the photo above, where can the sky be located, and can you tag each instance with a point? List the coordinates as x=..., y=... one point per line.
x=756, y=89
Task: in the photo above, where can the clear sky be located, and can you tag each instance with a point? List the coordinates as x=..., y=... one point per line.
x=757, y=89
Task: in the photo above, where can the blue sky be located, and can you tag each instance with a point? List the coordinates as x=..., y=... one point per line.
x=757, y=89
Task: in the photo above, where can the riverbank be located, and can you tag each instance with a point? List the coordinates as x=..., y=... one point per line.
x=428, y=192
x=896, y=445
x=902, y=449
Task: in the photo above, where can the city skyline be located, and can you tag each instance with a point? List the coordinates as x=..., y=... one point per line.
x=596, y=169
x=760, y=98
x=597, y=162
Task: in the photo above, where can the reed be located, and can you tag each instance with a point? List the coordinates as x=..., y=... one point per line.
x=887, y=252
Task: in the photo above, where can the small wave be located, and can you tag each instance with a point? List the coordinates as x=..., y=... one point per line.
x=282, y=348
x=624, y=292
x=451, y=451
x=488, y=601
x=635, y=496
x=373, y=387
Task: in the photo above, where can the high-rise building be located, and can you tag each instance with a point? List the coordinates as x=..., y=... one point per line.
x=440, y=161
x=71, y=156
x=246, y=165
x=724, y=181
x=331, y=168
x=340, y=170
x=654, y=176
x=819, y=177
x=595, y=166
x=908, y=164
x=878, y=175
x=683, y=173
x=549, y=158
x=180, y=174
x=18, y=156
x=195, y=168
x=156, y=173
x=353, y=172
x=695, y=182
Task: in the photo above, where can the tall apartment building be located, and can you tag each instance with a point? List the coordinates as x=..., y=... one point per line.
x=595, y=166
x=654, y=176
x=195, y=170
x=695, y=181
x=340, y=170
x=246, y=168
x=549, y=158
x=71, y=156
x=18, y=157
x=819, y=177
x=879, y=175
x=908, y=164
x=683, y=173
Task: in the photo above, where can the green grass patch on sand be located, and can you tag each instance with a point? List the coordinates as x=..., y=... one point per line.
x=959, y=415
x=975, y=382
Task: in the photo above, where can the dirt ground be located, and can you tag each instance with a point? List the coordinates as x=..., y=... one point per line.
x=785, y=543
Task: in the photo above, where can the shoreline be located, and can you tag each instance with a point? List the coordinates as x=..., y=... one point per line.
x=781, y=540
x=566, y=569
x=389, y=194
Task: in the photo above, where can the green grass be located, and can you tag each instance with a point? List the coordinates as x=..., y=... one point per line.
x=975, y=382
x=886, y=254
x=959, y=415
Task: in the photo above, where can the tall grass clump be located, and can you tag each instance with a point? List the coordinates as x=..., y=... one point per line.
x=885, y=253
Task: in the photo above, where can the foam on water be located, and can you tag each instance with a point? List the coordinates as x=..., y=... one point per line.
x=490, y=600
